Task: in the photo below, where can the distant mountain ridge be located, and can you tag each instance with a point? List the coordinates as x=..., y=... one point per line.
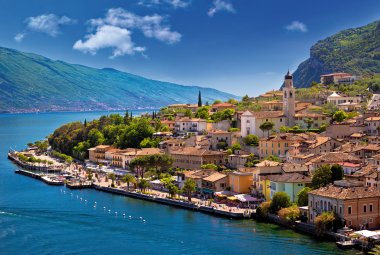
x=355, y=50
x=30, y=82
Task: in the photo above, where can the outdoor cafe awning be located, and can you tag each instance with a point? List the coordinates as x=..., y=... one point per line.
x=232, y=198
x=368, y=234
x=245, y=198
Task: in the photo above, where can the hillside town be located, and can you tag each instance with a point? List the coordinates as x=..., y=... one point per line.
x=287, y=162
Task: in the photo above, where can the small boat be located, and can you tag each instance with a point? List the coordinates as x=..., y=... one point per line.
x=346, y=244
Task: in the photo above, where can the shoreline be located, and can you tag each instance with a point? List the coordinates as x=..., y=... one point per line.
x=78, y=111
x=149, y=197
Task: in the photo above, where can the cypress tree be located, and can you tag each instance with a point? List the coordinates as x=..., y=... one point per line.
x=85, y=123
x=199, y=99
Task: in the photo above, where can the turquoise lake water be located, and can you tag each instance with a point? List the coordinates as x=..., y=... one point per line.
x=39, y=219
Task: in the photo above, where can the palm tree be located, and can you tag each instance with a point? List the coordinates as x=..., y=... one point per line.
x=128, y=178
x=112, y=176
x=173, y=190
x=189, y=187
x=375, y=251
x=143, y=185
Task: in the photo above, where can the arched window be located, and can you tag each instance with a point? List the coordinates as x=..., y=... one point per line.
x=290, y=94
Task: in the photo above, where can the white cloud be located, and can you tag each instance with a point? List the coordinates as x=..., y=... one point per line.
x=220, y=5
x=107, y=36
x=297, y=26
x=173, y=3
x=48, y=23
x=118, y=24
x=19, y=37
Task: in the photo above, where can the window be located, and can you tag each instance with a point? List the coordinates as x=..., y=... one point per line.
x=370, y=220
x=370, y=207
x=365, y=208
x=349, y=209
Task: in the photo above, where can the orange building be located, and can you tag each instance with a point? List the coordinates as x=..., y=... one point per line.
x=241, y=182
x=357, y=207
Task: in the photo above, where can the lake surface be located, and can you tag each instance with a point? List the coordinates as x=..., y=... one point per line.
x=39, y=219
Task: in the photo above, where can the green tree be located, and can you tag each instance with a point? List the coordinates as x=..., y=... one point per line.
x=202, y=112
x=235, y=147
x=95, y=137
x=245, y=98
x=340, y=116
x=273, y=158
x=128, y=178
x=309, y=122
x=217, y=101
x=322, y=176
x=284, y=129
x=199, y=99
x=303, y=197
x=233, y=101
x=251, y=140
x=173, y=190
x=112, y=177
x=280, y=200
x=291, y=213
x=189, y=187
x=143, y=185
x=150, y=143
x=337, y=172
x=188, y=113
x=324, y=222
x=210, y=166
x=266, y=126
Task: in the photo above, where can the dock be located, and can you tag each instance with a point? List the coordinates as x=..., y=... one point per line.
x=77, y=185
x=39, y=176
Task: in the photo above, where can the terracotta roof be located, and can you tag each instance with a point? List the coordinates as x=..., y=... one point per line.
x=282, y=137
x=376, y=118
x=196, y=151
x=293, y=168
x=265, y=114
x=346, y=193
x=290, y=178
x=335, y=157
x=268, y=163
x=365, y=170
x=214, y=177
x=308, y=115
x=187, y=119
x=103, y=146
x=336, y=74
x=223, y=105
x=218, y=132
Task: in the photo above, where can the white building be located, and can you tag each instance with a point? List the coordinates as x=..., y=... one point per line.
x=190, y=125
x=337, y=99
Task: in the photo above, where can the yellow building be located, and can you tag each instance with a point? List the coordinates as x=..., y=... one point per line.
x=241, y=182
x=277, y=145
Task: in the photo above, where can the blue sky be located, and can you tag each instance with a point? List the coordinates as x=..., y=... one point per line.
x=238, y=46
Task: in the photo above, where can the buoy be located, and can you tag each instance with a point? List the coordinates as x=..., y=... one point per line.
x=144, y=220
x=130, y=217
x=140, y=218
x=123, y=214
x=95, y=202
x=109, y=211
x=94, y=206
x=104, y=207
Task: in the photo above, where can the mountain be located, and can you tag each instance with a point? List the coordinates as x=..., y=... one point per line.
x=356, y=51
x=30, y=82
